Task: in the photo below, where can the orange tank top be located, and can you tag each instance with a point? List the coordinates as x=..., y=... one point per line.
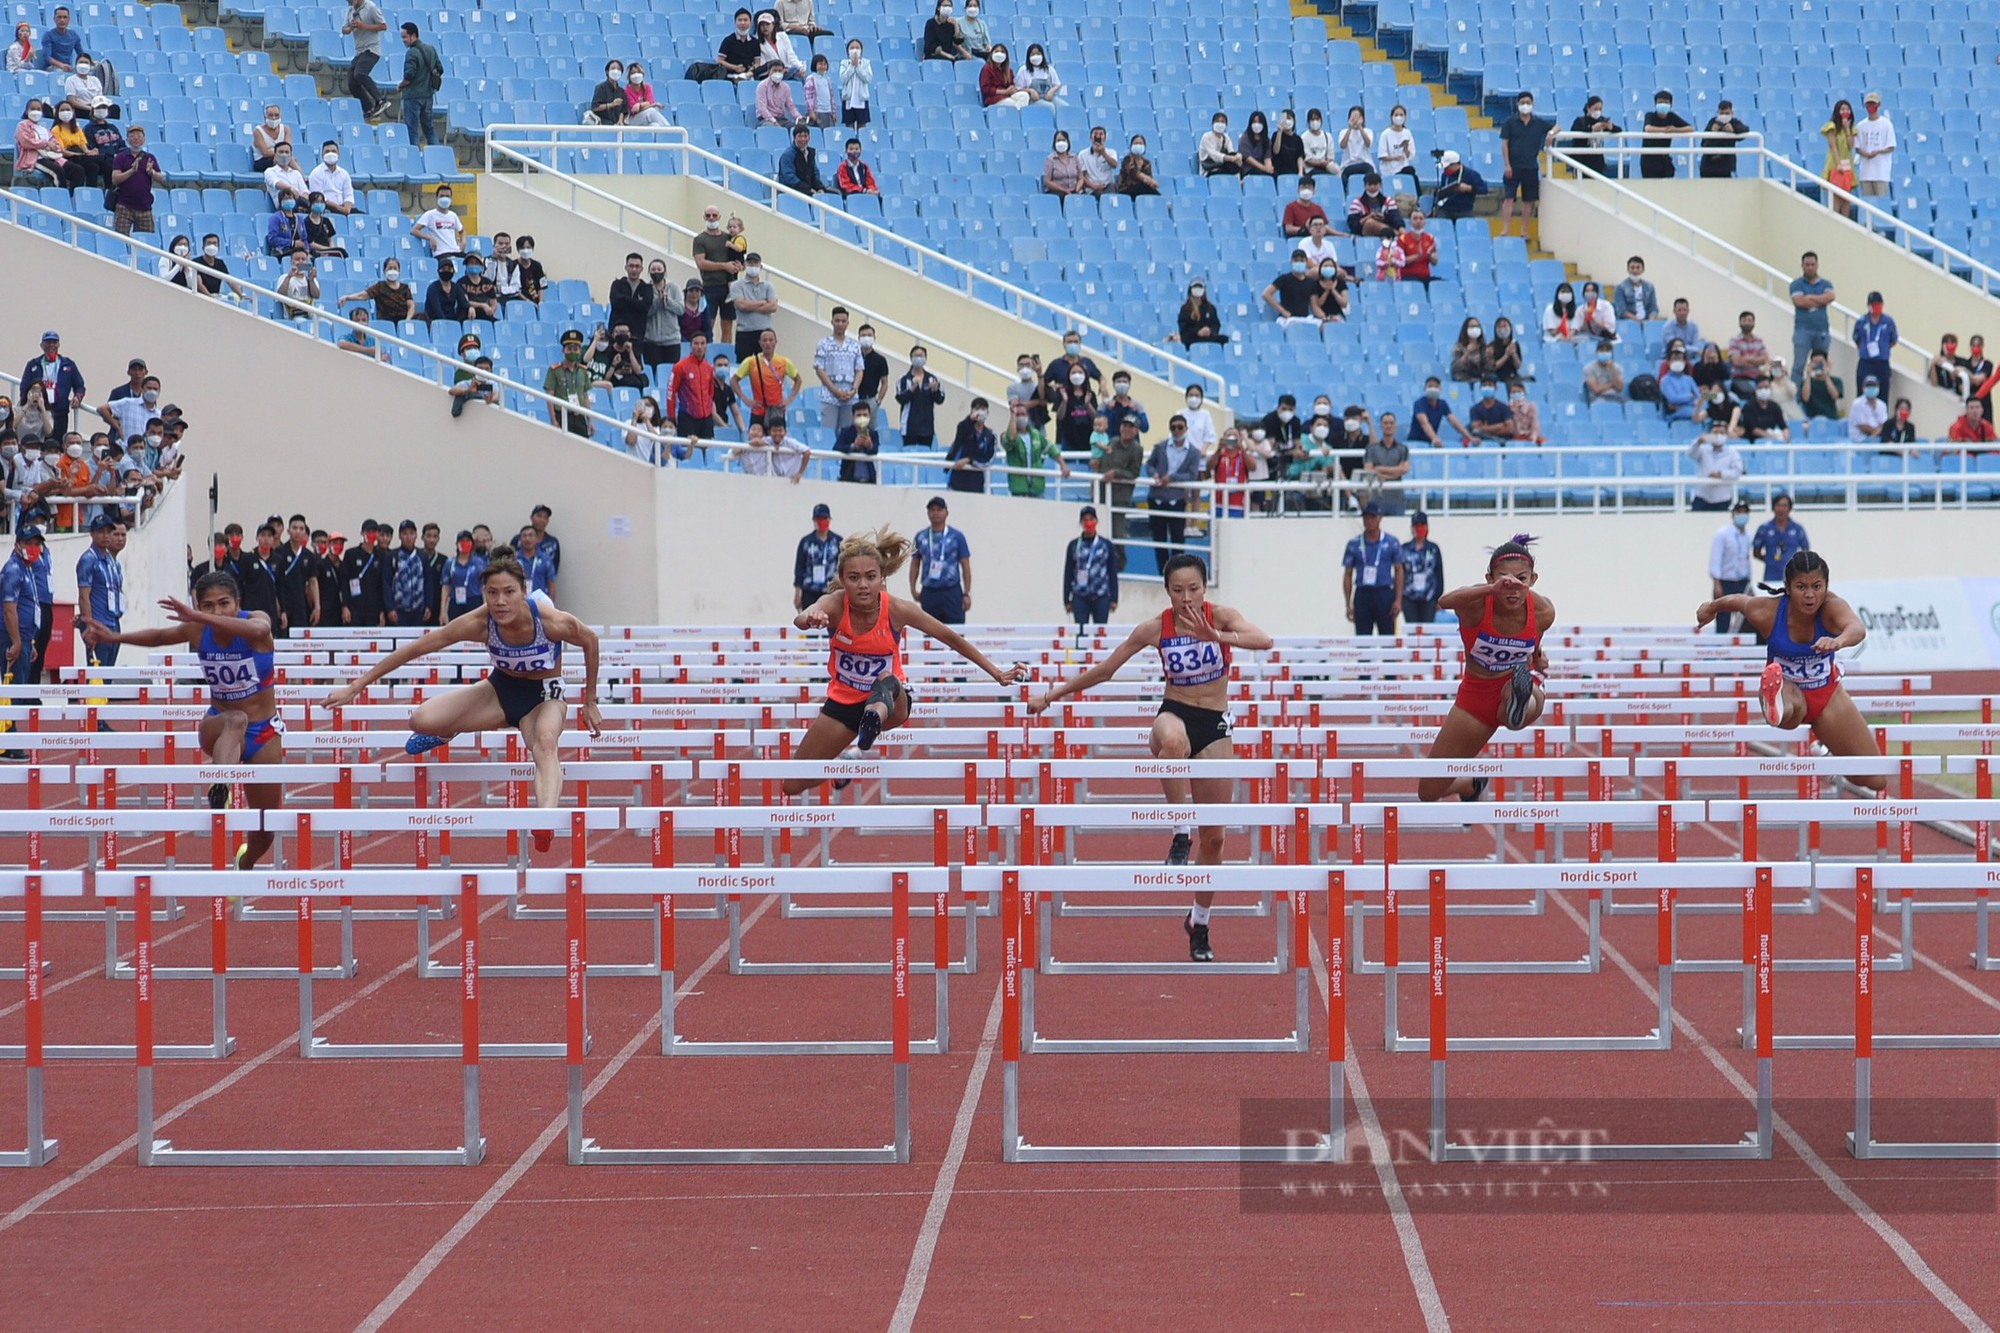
x=857, y=661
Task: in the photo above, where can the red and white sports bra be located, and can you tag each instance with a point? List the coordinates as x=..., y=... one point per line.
x=1188, y=659
x=1499, y=653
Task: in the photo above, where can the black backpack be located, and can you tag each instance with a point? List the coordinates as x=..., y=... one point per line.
x=1643, y=389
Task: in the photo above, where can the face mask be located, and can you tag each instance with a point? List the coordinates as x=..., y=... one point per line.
x=100, y=113
x=1285, y=414
x=1062, y=145
x=1397, y=120
x=1121, y=387
x=917, y=361
x=35, y=114
x=1473, y=331
x=1298, y=266
x=1875, y=309
x=1663, y=107
x=528, y=252
x=1027, y=373
x=1526, y=108
x=289, y=205
x=1872, y=393
x=1564, y=294
x=1374, y=192
x=1076, y=379
x=1035, y=61
x=1090, y=527
x=573, y=354
x=1138, y=147
x=1517, y=397
x=1740, y=520
x=1603, y=358
x=712, y=224
x=471, y=271
x=74, y=450
x=776, y=76
x=1677, y=366
x=151, y=396
x=979, y=414
x=861, y=420
x=1763, y=395
x=1487, y=390
x=180, y=250
x=1322, y=408
x=30, y=554
x=65, y=115
x=152, y=441
x=1221, y=127
x=854, y=154
x=867, y=342
x=999, y=57
x=1194, y=400
x=391, y=274
x=444, y=201
x=1717, y=396
x=1431, y=391
x=854, y=53
x=273, y=120
x=1020, y=425
x=1305, y=194
x=1320, y=432
x=321, y=208
x=32, y=455
x=7, y=451
x=1314, y=124
x=1197, y=292
x=1327, y=271
x=1073, y=348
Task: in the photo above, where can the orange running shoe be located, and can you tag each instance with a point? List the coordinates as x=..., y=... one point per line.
x=1771, y=689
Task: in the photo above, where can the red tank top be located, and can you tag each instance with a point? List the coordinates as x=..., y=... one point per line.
x=856, y=662
x=1188, y=659
x=1498, y=653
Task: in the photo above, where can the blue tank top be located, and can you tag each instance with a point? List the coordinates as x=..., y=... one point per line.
x=538, y=655
x=236, y=672
x=1800, y=664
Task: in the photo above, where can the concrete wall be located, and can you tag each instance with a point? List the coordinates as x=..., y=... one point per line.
x=1595, y=227
x=291, y=424
x=155, y=559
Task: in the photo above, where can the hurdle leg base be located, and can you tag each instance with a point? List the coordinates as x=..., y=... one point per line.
x=322, y=1049
x=591, y=1154
x=1192, y=1152
x=31, y=1155
x=165, y=1154
x=206, y=1051
x=1872, y=1148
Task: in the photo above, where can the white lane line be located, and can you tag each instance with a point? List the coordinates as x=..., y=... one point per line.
x=438, y=1253
x=918, y=1275
x=1414, y=1259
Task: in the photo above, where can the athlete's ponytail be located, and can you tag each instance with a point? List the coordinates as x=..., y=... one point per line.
x=886, y=547
x=1517, y=549
x=1806, y=562
x=502, y=561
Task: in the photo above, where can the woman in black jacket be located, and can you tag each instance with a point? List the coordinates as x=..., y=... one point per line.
x=1199, y=321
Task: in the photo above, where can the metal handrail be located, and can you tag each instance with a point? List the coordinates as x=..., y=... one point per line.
x=1779, y=169
x=674, y=139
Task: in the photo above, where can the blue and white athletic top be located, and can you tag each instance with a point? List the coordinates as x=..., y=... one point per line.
x=539, y=655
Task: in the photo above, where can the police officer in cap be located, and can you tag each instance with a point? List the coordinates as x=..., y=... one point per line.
x=570, y=381
x=817, y=563
x=1423, y=572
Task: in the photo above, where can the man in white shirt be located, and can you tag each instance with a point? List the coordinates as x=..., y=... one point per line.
x=330, y=180
x=1719, y=465
x=83, y=88
x=1875, y=148
x=442, y=228
x=1318, y=245
x=1216, y=154
x=283, y=178
x=1868, y=413
x=837, y=363
x=1729, y=562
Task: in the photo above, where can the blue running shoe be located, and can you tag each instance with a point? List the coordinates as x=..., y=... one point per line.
x=423, y=743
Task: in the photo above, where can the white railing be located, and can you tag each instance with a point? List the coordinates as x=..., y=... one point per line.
x=145, y=503
x=1628, y=148
x=514, y=144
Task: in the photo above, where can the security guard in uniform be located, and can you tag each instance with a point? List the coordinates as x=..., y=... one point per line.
x=817, y=563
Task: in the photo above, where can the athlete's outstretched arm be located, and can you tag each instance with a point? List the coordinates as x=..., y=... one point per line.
x=909, y=613
x=1760, y=613
x=467, y=627
x=1145, y=634
x=1846, y=626
x=1233, y=628
x=821, y=613
x=566, y=628
x=1469, y=597
x=184, y=636
x=257, y=628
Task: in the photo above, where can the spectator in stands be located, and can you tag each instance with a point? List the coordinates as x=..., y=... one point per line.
x=1026, y=447
x=1372, y=212
x=857, y=86
x=648, y=422
x=616, y=364
x=1875, y=149
x=1868, y=415
x=1973, y=427
x=506, y=268
x=1679, y=394
x=822, y=108
x=72, y=145
x=1491, y=419
x=996, y=81
x=1298, y=215
x=1100, y=164
x=1396, y=151
x=1458, y=189
x=1062, y=170
x=798, y=166
x=719, y=265
x=1527, y=418
x=23, y=54
x=1292, y=295
x=1823, y=390
x=330, y=180
x=1636, y=298
x=973, y=32
x=1662, y=125
x=321, y=237
x=1979, y=373
x=772, y=380
x=972, y=451
x=1522, y=137
x=1027, y=391
x=178, y=270
x=774, y=47
x=837, y=365
x=1723, y=133
x=300, y=284
x=1122, y=405
x=1072, y=399
x=1900, y=429
x=84, y=88
x=1839, y=170
x=1603, y=381
x=1595, y=314
x=1072, y=359
x=1316, y=146
x=62, y=46
x=873, y=386
x=920, y=394
x=756, y=303
x=1947, y=370
x=1216, y=154
x=1710, y=371
x=286, y=231
x=1587, y=131
x=423, y=74
x=360, y=340
x=1288, y=151
x=366, y=24
x=1135, y=172
x=859, y=442
x=775, y=105
x=1468, y=351
x=1198, y=320
x=630, y=296
x=943, y=41
x=442, y=228
x=568, y=381
x=691, y=391
x=61, y=382
x=1874, y=337
x=1356, y=146
x=1385, y=462
x=1504, y=361
x=1729, y=562
x=1174, y=465
x=482, y=298
x=855, y=176
x=1683, y=328
x=738, y=55
x=660, y=334
x=105, y=139
x=728, y=403
x=641, y=106
x=283, y=180
x=1719, y=466
x=37, y=160
x=1038, y=78
x=1748, y=358
x=265, y=138
x=391, y=295
x=1761, y=418
x=1811, y=331
x=1253, y=147
x=1432, y=413
x=607, y=100
x=445, y=299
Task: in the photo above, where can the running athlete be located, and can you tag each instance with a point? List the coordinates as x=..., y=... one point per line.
x=524, y=635
x=1194, y=638
x=1803, y=629
x=867, y=693
x=235, y=647
x=1501, y=622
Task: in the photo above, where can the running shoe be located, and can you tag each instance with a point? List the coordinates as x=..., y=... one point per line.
x=1771, y=689
x=1521, y=693
x=218, y=796
x=422, y=743
x=1177, y=855
x=1198, y=949
x=1478, y=790
x=242, y=850
x=870, y=728
x=544, y=839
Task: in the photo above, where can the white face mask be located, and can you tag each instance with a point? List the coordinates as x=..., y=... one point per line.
x=1035, y=61
x=999, y=57
x=181, y=249
x=65, y=115
x=1677, y=366
x=1062, y=145
x=754, y=272
x=1194, y=400
x=1397, y=120
x=444, y=202
x=711, y=224
x=1285, y=414
x=392, y=274
x=1121, y=387
x=1197, y=292
x=83, y=68
x=1027, y=374
x=867, y=342
x=1138, y=148
x=1320, y=432
x=1473, y=331
x=74, y=450
x=1764, y=395
x=331, y=159
x=854, y=53
x=1076, y=378
x=211, y=249
x=35, y=114
x=917, y=361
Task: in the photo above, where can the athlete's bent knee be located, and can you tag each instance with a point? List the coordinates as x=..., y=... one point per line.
x=1211, y=845
x=1434, y=789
